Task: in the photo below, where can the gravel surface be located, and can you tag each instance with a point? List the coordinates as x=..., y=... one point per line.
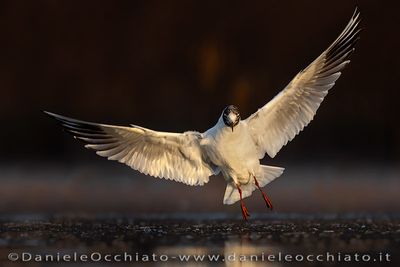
x=206, y=234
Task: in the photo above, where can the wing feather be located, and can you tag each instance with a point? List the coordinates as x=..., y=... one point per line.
x=171, y=156
x=280, y=120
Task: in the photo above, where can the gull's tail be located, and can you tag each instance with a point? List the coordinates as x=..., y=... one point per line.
x=268, y=174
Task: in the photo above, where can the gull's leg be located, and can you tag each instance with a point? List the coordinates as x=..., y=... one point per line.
x=267, y=201
x=245, y=212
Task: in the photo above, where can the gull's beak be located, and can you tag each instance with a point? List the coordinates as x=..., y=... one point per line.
x=232, y=128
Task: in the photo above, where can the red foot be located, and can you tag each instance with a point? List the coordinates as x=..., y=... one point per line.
x=245, y=212
x=266, y=199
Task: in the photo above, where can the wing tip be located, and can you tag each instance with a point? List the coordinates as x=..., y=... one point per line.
x=356, y=11
x=50, y=114
x=57, y=117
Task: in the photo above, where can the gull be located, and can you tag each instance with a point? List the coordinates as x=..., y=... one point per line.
x=232, y=146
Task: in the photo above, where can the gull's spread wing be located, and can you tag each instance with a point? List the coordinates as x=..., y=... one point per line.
x=172, y=156
x=280, y=120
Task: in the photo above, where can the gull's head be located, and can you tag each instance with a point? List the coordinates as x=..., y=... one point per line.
x=231, y=116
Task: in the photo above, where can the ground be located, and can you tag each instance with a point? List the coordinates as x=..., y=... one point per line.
x=376, y=236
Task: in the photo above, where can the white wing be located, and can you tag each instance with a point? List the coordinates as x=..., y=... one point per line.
x=172, y=156
x=280, y=120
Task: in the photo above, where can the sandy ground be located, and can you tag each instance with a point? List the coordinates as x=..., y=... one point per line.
x=184, y=234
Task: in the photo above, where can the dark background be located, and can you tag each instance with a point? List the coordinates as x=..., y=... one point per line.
x=173, y=66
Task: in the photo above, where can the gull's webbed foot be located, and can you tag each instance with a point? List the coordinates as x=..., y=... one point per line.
x=265, y=197
x=245, y=212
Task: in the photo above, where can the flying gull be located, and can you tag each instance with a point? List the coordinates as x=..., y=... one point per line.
x=232, y=146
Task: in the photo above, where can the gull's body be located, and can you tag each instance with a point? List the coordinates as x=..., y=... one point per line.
x=232, y=146
x=236, y=155
x=233, y=151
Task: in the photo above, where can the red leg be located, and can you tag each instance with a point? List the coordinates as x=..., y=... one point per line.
x=267, y=201
x=245, y=212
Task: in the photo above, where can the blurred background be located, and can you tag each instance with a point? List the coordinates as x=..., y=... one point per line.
x=173, y=66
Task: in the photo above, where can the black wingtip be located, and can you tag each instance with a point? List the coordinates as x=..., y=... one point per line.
x=79, y=129
x=356, y=11
x=59, y=118
x=50, y=114
x=357, y=15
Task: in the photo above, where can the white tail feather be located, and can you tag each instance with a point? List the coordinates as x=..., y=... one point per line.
x=269, y=173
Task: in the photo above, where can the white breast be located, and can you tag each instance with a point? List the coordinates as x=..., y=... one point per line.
x=234, y=152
